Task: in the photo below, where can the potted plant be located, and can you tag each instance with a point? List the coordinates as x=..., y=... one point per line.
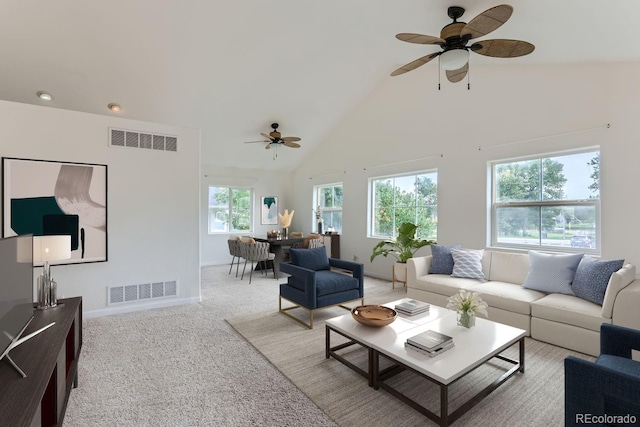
x=403, y=247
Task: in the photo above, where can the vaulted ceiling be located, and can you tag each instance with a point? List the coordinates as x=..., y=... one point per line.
x=232, y=68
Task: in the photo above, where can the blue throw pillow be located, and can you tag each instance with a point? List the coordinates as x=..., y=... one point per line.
x=442, y=261
x=592, y=278
x=314, y=259
x=551, y=273
x=467, y=264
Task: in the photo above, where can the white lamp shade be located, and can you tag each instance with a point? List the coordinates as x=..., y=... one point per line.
x=51, y=248
x=454, y=59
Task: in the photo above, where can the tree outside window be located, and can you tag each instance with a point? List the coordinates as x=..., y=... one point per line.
x=404, y=198
x=548, y=201
x=230, y=209
x=329, y=203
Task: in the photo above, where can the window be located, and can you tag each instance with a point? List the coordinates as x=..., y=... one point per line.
x=550, y=202
x=405, y=198
x=230, y=209
x=329, y=202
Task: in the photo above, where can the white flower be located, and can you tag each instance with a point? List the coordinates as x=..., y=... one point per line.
x=285, y=219
x=467, y=302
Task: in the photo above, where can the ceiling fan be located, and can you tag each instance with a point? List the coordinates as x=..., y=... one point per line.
x=454, y=39
x=275, y=138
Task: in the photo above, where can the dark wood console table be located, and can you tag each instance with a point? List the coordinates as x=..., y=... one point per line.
x=50, y=360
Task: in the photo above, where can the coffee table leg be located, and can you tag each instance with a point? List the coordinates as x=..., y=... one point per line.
x=374, y=364
x=327, y=343
x=444, y=405
x=521, y=355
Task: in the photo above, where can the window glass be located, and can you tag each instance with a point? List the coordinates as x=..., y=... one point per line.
x=329, y=206
x=551, y=201
x=230, y=209
x=404, y=198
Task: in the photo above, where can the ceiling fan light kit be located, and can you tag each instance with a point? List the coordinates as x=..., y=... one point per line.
x=454, y=39
x=454, y=59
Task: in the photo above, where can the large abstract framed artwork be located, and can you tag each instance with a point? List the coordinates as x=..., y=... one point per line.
x=269, y=210
x=43, y=197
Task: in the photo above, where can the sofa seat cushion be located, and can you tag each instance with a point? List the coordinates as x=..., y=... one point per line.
x=623, y=364
x=508, y=296
x=330, y=282
x=444, y=284
x=569, y=310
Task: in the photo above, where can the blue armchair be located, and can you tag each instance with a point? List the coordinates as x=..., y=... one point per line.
x=312, y=285
x=607, y=391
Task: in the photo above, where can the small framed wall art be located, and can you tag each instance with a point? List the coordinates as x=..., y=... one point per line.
x=269, y=210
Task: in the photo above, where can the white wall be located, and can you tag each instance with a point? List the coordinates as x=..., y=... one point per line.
x=516, y=109
x=153, y=201
x=214, y=247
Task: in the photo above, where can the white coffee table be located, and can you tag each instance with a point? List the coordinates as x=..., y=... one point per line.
x=473, y=347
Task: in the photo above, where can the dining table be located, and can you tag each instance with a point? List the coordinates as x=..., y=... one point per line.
x=277, y=247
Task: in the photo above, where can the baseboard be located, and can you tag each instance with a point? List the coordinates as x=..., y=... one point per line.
x=139, y=307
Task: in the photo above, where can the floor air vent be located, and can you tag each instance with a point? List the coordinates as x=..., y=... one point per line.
x=142, y=292
x=132, y=139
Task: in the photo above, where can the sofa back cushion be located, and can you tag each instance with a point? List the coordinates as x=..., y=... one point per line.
x=313, y=259
x=509, y=267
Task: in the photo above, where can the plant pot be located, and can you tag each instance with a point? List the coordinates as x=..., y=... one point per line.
x=400, y=271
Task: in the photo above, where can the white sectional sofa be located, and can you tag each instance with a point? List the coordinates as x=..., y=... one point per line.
x=559, y=319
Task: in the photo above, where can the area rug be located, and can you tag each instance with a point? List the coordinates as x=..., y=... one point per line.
x=534, y=398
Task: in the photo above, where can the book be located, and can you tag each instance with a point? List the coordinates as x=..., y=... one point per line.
x=412, y=306
x=430, y=340
x=433, y=353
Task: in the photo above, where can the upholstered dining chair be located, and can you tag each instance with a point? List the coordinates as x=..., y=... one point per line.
x=313, y=285
x=608, y=387
x=256, y=252
x=234, y=251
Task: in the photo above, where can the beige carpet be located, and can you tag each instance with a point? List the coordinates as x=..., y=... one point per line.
x=534, y=398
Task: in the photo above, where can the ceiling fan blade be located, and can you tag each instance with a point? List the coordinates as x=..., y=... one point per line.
x=253, y=142
x=487, y=21
x=419, y=38
x=291, y=144
x=415, y=64
x=455, y=76
x=268, y=146
x=266, y=136
x=291, y=139
x=502, y=48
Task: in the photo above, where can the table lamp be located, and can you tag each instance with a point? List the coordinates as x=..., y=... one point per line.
x=46, y=249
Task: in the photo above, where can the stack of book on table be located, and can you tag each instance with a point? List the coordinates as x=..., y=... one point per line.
x=430, y=342
x=412, y=307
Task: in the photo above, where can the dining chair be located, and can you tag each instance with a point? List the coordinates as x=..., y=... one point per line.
x=256, y=252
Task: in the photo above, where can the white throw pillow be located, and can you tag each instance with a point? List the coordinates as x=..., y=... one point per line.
x=552, y=273
x=467, y=264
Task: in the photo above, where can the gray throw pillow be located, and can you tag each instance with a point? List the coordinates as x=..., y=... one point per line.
x=551, y=273
x=442, y=261
x=592, y=278
x=467, y=264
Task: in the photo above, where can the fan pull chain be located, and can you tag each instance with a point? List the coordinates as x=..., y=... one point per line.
x=439, y=72
x=468, y=79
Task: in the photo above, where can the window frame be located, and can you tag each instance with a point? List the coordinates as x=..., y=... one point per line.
x=231, y=188
x=316, y=204
x=541, y=204
x=372, y=202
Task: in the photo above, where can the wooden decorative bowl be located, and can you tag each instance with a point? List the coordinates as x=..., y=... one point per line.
x=374, y=315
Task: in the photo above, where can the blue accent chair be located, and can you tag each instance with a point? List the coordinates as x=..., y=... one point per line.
x=607, y=390
x=312, y=284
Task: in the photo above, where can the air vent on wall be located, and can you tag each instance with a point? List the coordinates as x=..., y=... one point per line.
x=149, y=141
x=141, y=292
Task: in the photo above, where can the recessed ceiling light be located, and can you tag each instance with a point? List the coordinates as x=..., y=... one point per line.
x=44, y=95
x=114, y=107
